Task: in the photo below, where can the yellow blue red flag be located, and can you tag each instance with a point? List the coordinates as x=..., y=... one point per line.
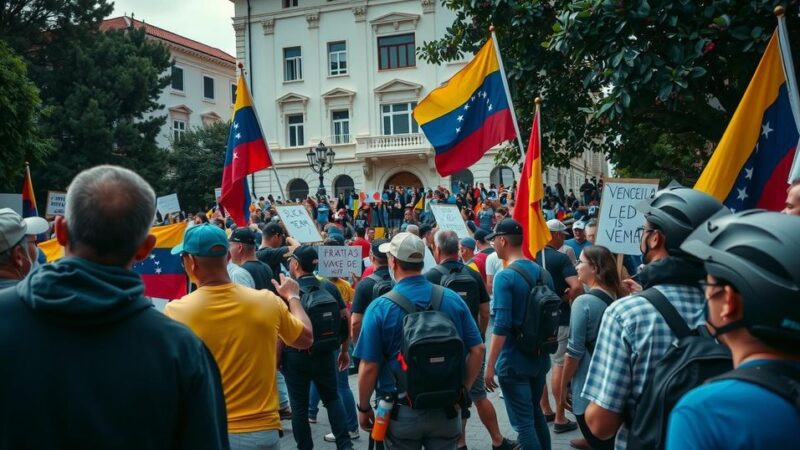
x=750, y=166
x=28, y=198
x=469, y=115
x=528, y=206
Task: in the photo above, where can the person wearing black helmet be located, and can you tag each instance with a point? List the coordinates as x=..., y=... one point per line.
x=753, y=292
x=633, y=335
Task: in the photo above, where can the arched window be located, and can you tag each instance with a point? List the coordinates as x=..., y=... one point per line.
x=464, y=177
x=343, y=185
x=501, y=175
x=298, y=190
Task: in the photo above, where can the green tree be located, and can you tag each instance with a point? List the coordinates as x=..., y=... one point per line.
x=20, y=109
x=195, y=166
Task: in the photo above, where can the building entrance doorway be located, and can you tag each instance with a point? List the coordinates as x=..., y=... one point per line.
x=405, y=179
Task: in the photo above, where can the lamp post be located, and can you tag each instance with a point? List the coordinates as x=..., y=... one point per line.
x=320, y=160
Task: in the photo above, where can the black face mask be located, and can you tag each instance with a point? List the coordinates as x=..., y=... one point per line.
x=715, y=331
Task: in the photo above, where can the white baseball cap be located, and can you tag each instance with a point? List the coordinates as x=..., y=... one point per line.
x=556, y=226
x=579, y=225
x=405, y=247
x=14, y=228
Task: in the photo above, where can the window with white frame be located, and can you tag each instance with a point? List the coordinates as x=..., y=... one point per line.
x=208, y=87
x=292, y=64
x=340, y=126
x=178, y=129
x=289, y=3
x=294, y=123
x=177, y=78
x=337, y=58
x=397, y=119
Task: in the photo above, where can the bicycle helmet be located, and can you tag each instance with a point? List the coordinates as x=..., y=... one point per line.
x=757, y=252
x=677, y=211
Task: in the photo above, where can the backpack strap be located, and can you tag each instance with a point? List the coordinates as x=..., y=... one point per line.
x=780, y=379
x=667, y=311
x=601, y=295
x=399, y=300
x=513, y=266
x=437, y=294
x=441, y=270
x=374, y=277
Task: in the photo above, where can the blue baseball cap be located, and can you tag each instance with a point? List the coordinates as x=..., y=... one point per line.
x=203, y=240
x=468, y=242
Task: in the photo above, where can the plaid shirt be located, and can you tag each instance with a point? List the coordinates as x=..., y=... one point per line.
x=633, y=337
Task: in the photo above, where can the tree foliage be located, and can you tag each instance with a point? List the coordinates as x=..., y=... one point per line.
x=20, y=108
x=195, y=165
x=645, y=81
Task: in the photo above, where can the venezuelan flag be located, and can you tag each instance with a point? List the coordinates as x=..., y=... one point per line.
x=751, y=164
x=28, y=198
x=528, y=207
x=247, y=153
x=469, y=115
x=162, y=272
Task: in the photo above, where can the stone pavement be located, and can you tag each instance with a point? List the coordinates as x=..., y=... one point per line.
x=477, y=437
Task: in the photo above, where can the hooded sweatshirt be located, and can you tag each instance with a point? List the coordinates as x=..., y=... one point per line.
x=87, y=362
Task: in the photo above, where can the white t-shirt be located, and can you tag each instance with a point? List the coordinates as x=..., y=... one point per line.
x=493, y=264
x=429, y=262
x=240, y=275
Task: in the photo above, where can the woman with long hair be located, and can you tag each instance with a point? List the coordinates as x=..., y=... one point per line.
x=597, y=269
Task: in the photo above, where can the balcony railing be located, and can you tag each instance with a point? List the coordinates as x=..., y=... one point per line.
x=395, y=142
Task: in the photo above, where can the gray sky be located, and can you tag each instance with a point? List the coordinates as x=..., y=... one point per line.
x=207, y=21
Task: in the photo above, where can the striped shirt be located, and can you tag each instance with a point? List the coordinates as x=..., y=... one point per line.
x=633, y=337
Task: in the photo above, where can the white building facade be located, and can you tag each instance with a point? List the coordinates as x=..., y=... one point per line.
x=345, y=73
x=202, y=86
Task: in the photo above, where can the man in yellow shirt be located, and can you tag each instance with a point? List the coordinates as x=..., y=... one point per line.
x=241, y=327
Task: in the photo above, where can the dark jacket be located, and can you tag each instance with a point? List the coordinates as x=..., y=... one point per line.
x=87, y=362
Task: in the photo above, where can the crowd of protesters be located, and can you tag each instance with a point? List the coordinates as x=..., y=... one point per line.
x=87, y=362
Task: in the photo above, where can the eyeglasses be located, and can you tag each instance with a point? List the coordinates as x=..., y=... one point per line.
x=646, y=230
x=705, y=285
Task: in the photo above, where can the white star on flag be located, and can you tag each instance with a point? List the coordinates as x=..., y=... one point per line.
x=235, y=155
x=766, y=130
x=152, y=256
x=238, y=136
x=458, y=130
x=235, y=126
x=460, y=118
x=490, y=107
x=466, y=107
x=748, y=173
x=158, y=270
x=742, y=194
x=472, y=99
x=484, y=94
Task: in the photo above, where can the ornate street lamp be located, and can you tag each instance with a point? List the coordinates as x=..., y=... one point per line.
x=320, y=160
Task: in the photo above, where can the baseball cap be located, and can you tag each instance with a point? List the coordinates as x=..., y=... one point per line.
x=306, y=256
x=272, y=229
x=480, y=235
x=203, y=240
x=468, y=242
x=405, y=247
x=14, y=228
x=505, y=227
x=243, y=236
x=376, y=248
x=334, y=239
x=579, y=225
x=556, y=226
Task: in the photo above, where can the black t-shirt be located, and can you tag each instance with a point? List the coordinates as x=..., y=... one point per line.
x=435, y=277
x=560, y=268
x=261, y=273
x=362, y=297
x=273, y=257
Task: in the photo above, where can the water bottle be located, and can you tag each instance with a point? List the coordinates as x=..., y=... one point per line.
x=382, y=417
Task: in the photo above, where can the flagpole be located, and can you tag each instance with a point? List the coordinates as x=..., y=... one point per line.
x=269, y=150
x=791, y=83
x=508, y=92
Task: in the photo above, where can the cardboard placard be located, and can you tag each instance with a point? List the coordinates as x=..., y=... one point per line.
x=448, y=217
x=370, y=197
x=339, y=261
x=620, y=225
x=298, y=223
x=168, y=204
x=13, y=201
x=56, y=203
x=217, y=194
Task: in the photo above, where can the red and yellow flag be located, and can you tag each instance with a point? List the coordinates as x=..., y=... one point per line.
x=528, y=205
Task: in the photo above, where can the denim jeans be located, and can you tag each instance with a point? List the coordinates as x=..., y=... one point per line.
x=283, y=394
x=348, y=402
x=301, y=368
x=521, y=395
x=256, y=440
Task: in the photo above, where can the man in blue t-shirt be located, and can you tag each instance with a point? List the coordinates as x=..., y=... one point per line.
x=379, y=345
x=753, y=292
x=579, y=242
x=521, y=376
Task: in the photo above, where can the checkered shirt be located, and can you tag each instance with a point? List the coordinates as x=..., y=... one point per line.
x=632, y=339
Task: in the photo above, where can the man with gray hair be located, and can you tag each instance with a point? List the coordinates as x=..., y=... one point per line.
x=87, y=362
x=18, y=245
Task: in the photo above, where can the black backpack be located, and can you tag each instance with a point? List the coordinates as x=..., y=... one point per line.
x=780, y=379
x=431, y=354
x=538, y=333
x=382, y=285
x=463, y=284
x=324, y=313
x=607, y=300
x=691, y=360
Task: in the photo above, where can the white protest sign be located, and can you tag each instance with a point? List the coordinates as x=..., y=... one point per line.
x=298, y=223
x=13, y=201
x=168, y=204
x=56, y=203
x=620, y=224
x=448, y=217
x=339, y=261
x=217, y=193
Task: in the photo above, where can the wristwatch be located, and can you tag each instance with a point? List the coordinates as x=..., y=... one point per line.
x=364, y=410
x=293, y=296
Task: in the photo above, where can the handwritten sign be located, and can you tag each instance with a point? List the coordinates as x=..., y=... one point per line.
x=217, y=194
x=620, y=225
x=168, y=204
x=339, y=261
x=448, y=217
x=56, y=203
x=298, y=223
